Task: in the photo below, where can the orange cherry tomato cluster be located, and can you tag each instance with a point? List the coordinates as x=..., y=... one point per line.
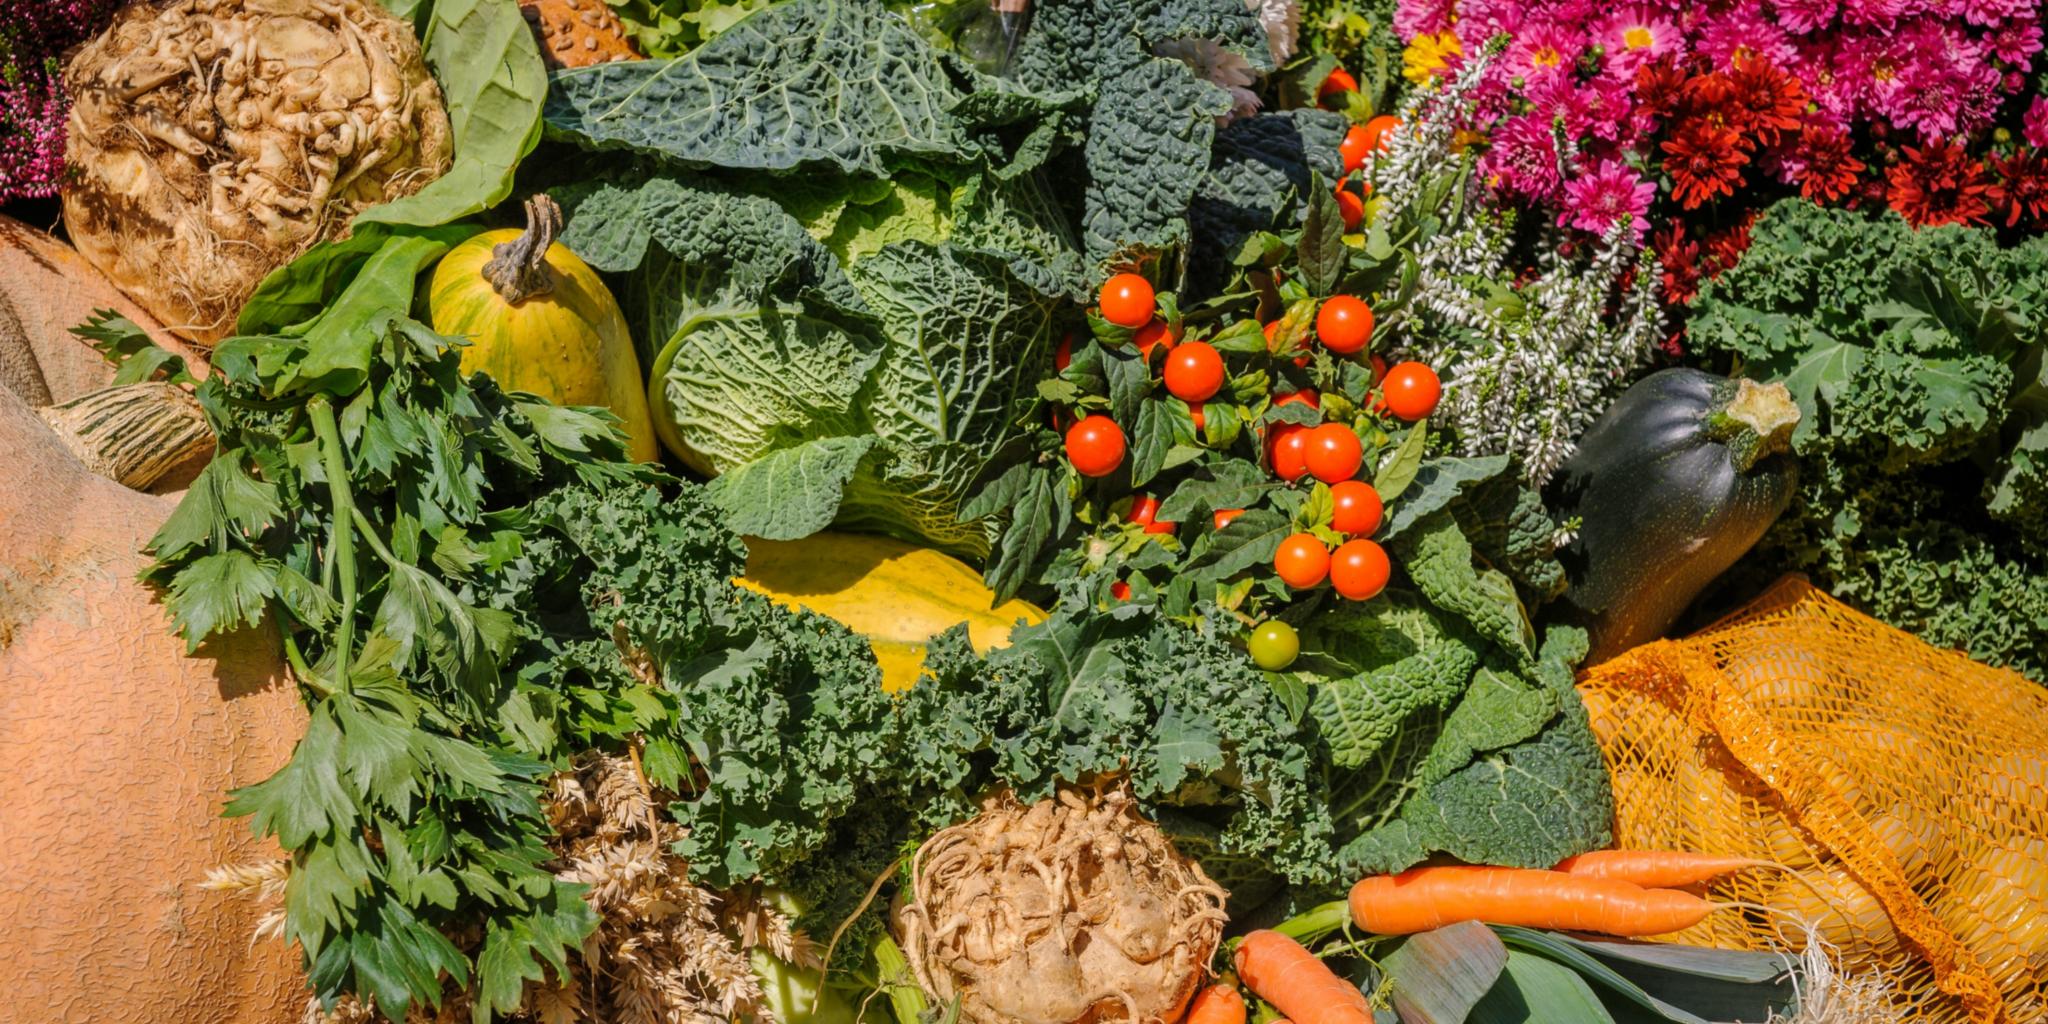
x=1356, y=567
x=1360, y=143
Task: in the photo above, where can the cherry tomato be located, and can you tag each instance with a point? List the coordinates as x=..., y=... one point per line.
x=1144, y=508
x=1195, y=413
x=1194, y=372
x=1411, y=391
x=1351, y=208
x=1356, y=148
x=1359, y=570
x=1270, y=329
x=1376, y=132
x=1344, y=324
x=1304, y=395
x=1273, y=645
x=1379, y=370
x=1095, y=445
x=1120, y=590
x=1224, y=516
x=1127, y=301
x=1063, y=356
x=1357, y=509
x=1154, y=334
x=1302, y=561
x=1334, y=453
x=1288, y=451
x=1338, y=81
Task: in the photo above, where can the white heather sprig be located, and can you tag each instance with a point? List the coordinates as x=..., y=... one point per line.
x=1523, y=381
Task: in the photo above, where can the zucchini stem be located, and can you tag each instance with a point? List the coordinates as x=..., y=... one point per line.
x=1755, y=421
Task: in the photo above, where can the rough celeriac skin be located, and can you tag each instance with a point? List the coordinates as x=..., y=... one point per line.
x=1071, y=910
x=211, y=141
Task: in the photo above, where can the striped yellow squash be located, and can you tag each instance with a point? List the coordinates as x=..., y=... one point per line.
x=540, y=320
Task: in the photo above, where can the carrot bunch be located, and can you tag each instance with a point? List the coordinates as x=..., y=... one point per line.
x=1629, y=893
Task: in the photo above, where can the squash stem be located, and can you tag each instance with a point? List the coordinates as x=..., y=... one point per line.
x=1755, y=421
x=343, y=555
x=518, y=269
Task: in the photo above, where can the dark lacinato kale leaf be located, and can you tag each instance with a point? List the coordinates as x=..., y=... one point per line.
x=1916, y=357
x=838, y=82
x=1258, y=164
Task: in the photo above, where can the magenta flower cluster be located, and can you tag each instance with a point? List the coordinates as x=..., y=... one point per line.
x=34, y=36
x=1924, y=71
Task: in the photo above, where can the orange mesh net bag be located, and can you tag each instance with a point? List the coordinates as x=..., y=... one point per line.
x=1901, y=789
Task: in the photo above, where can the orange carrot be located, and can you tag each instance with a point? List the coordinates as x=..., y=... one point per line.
x=1654, y=869
x=1217, y=1004
x=1281, y=972
x=1420, y=899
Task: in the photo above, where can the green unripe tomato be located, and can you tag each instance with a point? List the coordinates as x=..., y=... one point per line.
x=1274, y=645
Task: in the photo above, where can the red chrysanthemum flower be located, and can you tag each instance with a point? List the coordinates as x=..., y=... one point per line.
x=1679, y=256
x=1659, y=84
x=2022, y=188
x=1726, y=246
x=1826, y=168
x=1704, y=160
x=1939, y=185
x=1711, y=98
x=1770, y=98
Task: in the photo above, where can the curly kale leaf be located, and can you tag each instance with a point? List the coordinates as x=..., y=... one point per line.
x=1916, y=356
x=780, y=713
x=1202, y=735
x=1847, y=310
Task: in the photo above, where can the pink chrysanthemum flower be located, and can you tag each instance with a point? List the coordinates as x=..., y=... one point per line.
x=2034, y=126
x=1987, y=13
x=1414, y=18
x=2016, y=42
x=1880, y=14
x=1523, y=160
x=1743, y=33
x=1484, y=19
x=1803, y=16
x=1543, y=51
x=1596, y=200
x=1636, y=36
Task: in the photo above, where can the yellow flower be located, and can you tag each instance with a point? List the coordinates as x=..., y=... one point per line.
x=1428, y=54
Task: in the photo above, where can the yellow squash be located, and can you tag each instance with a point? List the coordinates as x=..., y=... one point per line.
x=539, y=320
x=897, y=595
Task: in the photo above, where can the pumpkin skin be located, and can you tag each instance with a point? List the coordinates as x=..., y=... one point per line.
x=568, y=344
x=120, y=750
x=897, y=595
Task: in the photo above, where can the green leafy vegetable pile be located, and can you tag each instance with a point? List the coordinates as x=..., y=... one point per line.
x=1917, y=360
x=849, y=258
x=835, y=286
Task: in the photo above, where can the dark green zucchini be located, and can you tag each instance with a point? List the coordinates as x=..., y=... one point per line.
x=1673, y=484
